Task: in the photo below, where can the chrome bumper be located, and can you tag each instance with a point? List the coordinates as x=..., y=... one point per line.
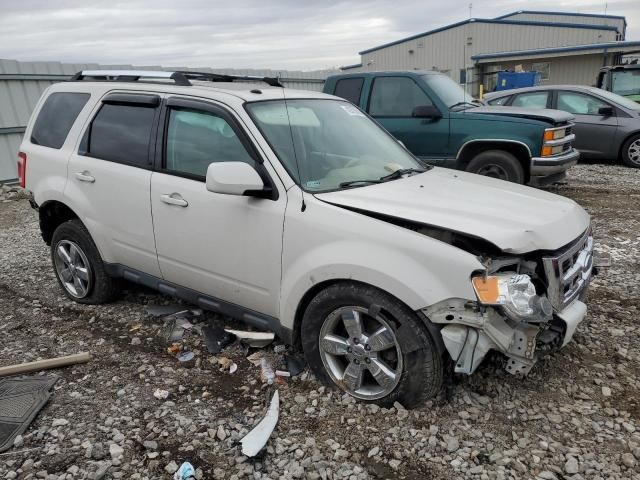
x=543, y=166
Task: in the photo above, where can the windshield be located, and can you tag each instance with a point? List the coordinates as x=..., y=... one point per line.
x=626, y=82
x=448, y=91
x=620, y=100
x=325, y=144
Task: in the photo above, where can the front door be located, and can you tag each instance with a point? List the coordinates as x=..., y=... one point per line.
x=392, y=101
x=594, y=132
x=225, y=246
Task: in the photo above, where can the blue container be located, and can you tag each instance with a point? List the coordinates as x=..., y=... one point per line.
x=509, y=80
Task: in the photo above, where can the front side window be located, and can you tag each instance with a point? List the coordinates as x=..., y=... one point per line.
x=324, y=144
x=56, y=118
x=531, y=100
x=396, y=97
x=579, y=104
x=121, y=133
x=195, y=139
x=349, y=89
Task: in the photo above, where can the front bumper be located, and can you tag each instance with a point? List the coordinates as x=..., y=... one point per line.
x=545, y=166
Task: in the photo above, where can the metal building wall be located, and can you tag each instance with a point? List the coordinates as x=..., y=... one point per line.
x=613, y=21
x=22, y=83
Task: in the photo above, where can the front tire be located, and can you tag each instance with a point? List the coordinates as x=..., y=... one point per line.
x=370, y=345
x=497, y=164
x=631, y=152
x=78, y=266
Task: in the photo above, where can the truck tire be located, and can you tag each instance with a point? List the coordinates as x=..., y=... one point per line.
x=78, y=265
x=497, y=164
x=370, y=345
x=631, y=152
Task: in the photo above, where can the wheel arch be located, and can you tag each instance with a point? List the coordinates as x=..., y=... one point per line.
x=433, y=329
x=518, y=149
x=52, y=214
x=624, y=142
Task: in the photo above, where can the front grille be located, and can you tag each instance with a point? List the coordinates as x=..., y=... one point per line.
x=569, y=271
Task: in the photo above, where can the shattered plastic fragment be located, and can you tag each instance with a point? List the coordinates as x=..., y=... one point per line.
x=295, y=364
x=256, y=439
x=282, y=373
x=253, y=339
x=233, y=367
x=186, y=356
x=185, y=472
x=216, y=338
x=267, y=374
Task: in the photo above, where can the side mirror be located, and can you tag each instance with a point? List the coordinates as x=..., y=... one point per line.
x=233, y=178
x=606, y=111
x=426, y=111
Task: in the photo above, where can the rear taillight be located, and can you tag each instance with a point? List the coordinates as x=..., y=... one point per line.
x=22, y=169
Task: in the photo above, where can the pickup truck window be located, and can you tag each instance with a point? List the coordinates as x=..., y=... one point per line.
x=349, y=89
x=531, y=100
x=196, y=139
x=396, y=97
x=325, y=143
x=448, y=91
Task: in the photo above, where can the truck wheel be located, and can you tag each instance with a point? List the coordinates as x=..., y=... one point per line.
x=631, y=152
x=78, y=266
x=370, y=345
x=497, y=164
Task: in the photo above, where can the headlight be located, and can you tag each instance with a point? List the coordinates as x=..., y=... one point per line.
x=515, y=293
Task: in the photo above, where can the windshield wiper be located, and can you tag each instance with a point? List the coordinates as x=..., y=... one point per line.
x=400, y=172
x=353, y=183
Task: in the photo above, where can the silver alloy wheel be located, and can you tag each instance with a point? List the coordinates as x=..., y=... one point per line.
x=634, y=152
x=73, y=268
x=360, y=353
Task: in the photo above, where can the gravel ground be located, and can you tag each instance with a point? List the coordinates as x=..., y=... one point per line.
x=577, y=414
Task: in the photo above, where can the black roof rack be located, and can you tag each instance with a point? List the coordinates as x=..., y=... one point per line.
x=179, y=77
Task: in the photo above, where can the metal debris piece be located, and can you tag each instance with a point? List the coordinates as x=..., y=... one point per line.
x=253, y=339
x=256, y=439
x=216, y=338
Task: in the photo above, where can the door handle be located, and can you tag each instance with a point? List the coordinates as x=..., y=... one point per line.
x=174, y=199
x=85, y=176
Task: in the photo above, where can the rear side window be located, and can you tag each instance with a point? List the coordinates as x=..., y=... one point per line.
x=349, y=89
x=121, y=133
x=531, y=100
x=56, y=118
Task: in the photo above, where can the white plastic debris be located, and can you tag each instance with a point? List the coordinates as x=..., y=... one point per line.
x=253, y=339
x=185, y=472
x=256, y=439
x=161, y=394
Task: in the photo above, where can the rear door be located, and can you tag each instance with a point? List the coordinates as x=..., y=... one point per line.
x=110, y=177
x=594, y=132
x=391, y=102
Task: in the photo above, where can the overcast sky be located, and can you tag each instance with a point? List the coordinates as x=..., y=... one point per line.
x=278, y=34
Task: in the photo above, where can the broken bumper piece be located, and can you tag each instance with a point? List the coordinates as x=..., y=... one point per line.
x=469, y=333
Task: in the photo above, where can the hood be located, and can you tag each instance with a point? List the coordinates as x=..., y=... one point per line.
x=515, y=218
x=545, y=114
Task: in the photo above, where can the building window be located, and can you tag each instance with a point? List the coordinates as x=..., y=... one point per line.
x=543, y=68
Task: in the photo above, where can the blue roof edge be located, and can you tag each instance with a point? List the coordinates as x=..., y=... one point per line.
x=490, y=20
x=573, y=48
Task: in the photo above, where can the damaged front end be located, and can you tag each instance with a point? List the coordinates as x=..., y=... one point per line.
x=526, y=306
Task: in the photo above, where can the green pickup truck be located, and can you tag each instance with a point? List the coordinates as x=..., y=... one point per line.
x=441, y=124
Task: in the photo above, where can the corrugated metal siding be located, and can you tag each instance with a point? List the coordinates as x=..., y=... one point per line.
x=19, y=97
x=556, y=18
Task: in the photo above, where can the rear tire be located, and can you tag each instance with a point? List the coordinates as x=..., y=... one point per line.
x=400, y=363
x=631, y=152
x=78, y=265
x=497, y=164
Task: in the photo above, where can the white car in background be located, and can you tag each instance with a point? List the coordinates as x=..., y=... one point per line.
x=295, y=212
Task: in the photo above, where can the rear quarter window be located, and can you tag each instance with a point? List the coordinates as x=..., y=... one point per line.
x=499, y=101
x=349, y=89
x=56, y=118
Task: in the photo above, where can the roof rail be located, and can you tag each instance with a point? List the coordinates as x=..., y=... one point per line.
x=179, y=77
x=128, y=76
x=223, y=77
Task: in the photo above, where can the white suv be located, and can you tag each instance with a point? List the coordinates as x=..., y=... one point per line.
x=295, y=212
